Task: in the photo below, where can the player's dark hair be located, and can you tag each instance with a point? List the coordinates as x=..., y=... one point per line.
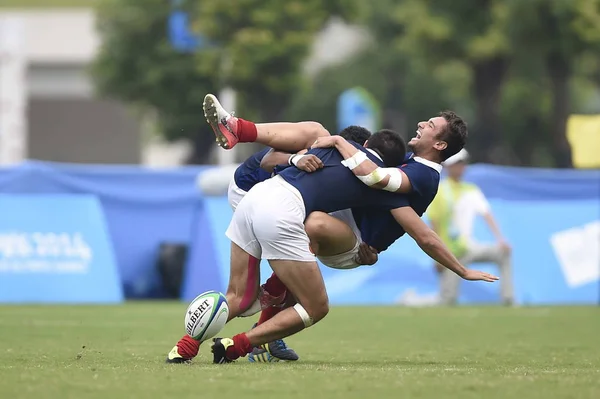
x=455, y=134
x=358, y=134
x=389, y=145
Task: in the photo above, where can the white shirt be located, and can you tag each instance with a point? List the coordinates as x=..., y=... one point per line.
x=470, y=204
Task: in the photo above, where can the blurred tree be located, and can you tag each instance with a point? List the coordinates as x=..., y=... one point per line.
x=137, y=64
x=318, y=98
x=560, y=32
x=448, y=45
x=260, y=45
x=510, y=63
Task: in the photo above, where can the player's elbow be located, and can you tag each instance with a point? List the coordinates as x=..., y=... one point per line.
x=267, y=164
x=426, y=240
x=368, y=171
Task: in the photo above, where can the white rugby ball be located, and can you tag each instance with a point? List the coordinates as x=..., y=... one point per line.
x=206, y=315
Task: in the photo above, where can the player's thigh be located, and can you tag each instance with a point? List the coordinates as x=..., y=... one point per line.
x=278, y=223
x=244, y=262
x=329, y=235
x=305, y=282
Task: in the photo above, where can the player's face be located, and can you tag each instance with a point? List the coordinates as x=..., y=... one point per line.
x=427, y=133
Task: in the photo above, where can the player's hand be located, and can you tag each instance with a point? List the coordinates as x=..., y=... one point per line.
x=325, y=142
x=309, y=163
x=367, y=255
x=476, y=275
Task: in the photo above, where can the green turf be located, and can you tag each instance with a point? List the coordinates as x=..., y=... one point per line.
x=487, y=352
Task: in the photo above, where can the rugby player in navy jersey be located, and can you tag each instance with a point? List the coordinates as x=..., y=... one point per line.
x=269, y=224
x=436, y=140
x=417, y=177
x=230, y=130
x=259, y=167
x=337, y=234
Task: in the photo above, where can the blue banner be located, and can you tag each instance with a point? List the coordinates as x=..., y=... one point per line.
x=555, y=259
x=56, y=249
x=144, y=208
x=551, y=218
x=204, y=271
x=358, y=107
x=179, y=30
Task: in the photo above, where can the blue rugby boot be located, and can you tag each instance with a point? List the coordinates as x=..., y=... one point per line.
x=273, y=351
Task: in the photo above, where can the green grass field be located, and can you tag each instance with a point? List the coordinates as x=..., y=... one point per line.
x=383, y=352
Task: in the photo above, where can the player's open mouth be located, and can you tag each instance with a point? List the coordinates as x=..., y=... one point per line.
x=418, y=136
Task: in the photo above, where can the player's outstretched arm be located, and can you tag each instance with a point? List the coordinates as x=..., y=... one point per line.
x=433, y=246
x=389, y=179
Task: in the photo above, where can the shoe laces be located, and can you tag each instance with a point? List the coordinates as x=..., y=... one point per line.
x=280, y=344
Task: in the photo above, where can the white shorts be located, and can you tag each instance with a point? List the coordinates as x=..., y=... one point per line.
x=346, y=260
x=269, y=223
x=234, y=194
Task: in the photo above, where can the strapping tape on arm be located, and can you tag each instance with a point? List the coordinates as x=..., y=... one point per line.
x=379, y=174
x=355, y=160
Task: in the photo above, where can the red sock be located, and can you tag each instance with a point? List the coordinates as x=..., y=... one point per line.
x=246, y=131
x=274, y=286
x=241, y=347
x=268, y=313
x=188, y=347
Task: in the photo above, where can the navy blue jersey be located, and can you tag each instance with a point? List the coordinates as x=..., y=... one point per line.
x=249, y=173
x=378, y=228
x=334, y=187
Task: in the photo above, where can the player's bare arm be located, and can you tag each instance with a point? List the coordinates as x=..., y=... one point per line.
x=436, y=228
x=433, y=246
x=274, y=158
x=308, y=163
x=389, y=179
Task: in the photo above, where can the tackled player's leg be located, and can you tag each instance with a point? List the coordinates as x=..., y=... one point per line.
x=334, y=238
x=283, y=136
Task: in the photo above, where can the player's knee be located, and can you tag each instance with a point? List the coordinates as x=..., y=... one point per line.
x=315, y=311
x=233, y=300
x=314, y=129
x=316, y=226
x=320, y=310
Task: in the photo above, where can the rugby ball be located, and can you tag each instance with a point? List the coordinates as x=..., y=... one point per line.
x=206, y=315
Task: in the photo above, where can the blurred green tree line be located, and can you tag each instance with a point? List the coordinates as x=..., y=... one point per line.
x=514, y=69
